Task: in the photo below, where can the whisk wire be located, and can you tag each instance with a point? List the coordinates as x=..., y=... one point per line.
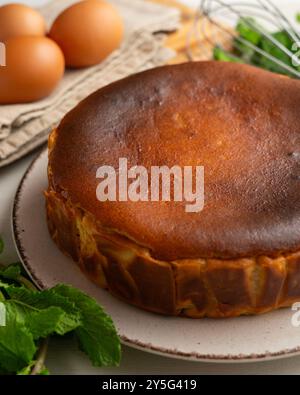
x=295, y=36
x=250, y=24
x=210, y=10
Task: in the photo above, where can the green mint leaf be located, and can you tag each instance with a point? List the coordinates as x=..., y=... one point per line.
x=11, y=272
x=17, y=347
x=248, y=38
x=249, y=29
x=298, y=17
x=44, y=372
x=4, y=284
x=224, y=56
x=97, y=335
x=52, y=320
x=283, y=38
x=43, y=313
x=42, y=299
x=28, y=369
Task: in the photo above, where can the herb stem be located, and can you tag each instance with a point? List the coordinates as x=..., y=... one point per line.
x=23, y=280
x=41, y=357
x=28, y=284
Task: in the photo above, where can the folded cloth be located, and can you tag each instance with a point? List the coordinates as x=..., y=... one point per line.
x=24, y=127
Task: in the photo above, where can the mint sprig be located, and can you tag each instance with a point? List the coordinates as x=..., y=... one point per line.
x=32, y=317
x=104, y=349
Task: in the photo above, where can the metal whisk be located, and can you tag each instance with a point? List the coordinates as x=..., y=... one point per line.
x=214, y=28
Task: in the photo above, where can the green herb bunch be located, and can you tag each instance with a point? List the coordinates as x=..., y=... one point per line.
x=248, y=31
x=29, y=318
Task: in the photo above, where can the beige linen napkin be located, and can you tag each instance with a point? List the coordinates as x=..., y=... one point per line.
x=25, y=127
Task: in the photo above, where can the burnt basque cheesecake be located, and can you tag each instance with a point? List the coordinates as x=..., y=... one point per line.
x=241, y=254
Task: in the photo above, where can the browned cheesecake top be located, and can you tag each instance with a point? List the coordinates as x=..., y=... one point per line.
x=241, y=123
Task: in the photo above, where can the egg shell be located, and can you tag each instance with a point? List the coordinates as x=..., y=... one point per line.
x=34, y=67
x=20, y=20
x=88, y=32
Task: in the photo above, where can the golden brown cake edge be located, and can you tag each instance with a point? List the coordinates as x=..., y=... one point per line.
x=190, y=287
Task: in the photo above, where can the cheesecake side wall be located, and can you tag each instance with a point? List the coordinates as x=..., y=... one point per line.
x=193, y=288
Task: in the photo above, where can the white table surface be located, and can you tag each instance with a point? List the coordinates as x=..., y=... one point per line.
x=64, y=357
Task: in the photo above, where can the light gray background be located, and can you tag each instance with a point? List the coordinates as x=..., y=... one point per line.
x=64, y=357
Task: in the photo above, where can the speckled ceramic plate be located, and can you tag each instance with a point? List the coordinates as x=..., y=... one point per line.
x=234, y=340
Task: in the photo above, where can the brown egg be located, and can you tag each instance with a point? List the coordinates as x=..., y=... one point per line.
x=20, y=20
x=88, y=32
x=34, y=66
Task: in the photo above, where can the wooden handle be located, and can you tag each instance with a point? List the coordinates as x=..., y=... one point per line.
x=185, y=41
